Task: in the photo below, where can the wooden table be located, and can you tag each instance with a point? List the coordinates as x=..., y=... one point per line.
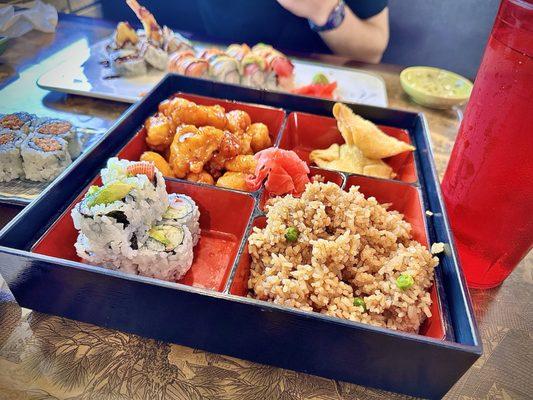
x=47, y=357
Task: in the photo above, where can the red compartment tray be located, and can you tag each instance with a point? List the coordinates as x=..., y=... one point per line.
x=224, y=216
x=306, y=132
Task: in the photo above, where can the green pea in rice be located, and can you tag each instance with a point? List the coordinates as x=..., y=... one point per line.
x=348, y=247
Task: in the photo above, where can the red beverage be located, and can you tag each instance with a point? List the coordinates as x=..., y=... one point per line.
x=488, y=186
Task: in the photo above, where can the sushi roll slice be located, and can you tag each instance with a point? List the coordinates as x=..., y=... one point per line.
x=10, y=159
x=278, y=64
x=154, y=56
x=238, y=51
x=111, y=220
x=19, y=121
x=211, y=53
x=185, y=63
x=225, y=69
x=107, y=256
x=118, y=214
x=60, y=128
x=173, y=42
x=127, y=62
x=149, y=180
x=254, y=72
x=167, y=254
x=44, y=157
x=183, y=211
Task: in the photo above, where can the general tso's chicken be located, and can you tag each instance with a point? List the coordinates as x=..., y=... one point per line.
x=241, y=163
x=150, y=25
x=187, y=112
x=260, y=137
x=233, y=180
x=160, y=163
x=229, y=148
x=202, y=177
x=159, y=131
x=192, y=147
x=245, y=140
x=238, y=121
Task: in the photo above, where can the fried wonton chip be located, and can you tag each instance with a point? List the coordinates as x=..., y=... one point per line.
x=371, y=140
x=350, y=159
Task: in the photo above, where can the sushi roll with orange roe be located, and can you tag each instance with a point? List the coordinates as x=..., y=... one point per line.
x=44, y=157
x=19, y=121
x=62, y=129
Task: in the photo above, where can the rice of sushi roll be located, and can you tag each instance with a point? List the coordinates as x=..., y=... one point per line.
x=60, y=128
x=19, y=121
x=167, y=254
x=118, y=214
x=106, y=257
x=44, y=157
x=183, y=211
x=154, y=56
x=10, y=159
x=127, y=62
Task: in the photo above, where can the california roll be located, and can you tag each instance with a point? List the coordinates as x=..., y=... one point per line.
x=183, y=211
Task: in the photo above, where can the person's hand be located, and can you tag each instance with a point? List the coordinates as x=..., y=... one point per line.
x=316, y=10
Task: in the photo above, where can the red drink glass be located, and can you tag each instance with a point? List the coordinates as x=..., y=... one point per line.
x=488, y=185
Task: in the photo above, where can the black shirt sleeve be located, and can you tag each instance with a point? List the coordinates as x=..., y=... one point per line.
x=366, y=8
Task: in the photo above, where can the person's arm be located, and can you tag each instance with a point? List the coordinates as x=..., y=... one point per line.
x=361, y=39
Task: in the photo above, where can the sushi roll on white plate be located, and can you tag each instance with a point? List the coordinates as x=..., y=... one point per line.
x=106, y=257
x=10, y=158
x=225, y=69
x=44, y=157
x=167, y=254
x=254, y=71
x=60, y=128
x=127, y=62
x=174, y=42
x=154, y=56
x=183, y=211
x=19, y=121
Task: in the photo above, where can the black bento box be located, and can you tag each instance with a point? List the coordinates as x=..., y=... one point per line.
x=219, y=317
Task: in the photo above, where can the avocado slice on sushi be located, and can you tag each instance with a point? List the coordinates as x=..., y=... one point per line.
x=170, y=236
x=108, y=194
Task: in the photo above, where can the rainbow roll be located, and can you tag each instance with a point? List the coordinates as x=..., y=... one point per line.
x=278, y=64
x=254, y=72
x=185, y=63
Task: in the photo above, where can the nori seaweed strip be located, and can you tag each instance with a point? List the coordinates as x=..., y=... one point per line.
x=133, y=242
x=120, y=217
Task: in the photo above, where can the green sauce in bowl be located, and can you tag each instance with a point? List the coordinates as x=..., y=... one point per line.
x=434, y=87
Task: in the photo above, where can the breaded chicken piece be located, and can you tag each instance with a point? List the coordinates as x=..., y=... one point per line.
x=233, y=180
x=238, y=121
x=159, y=132
x=202, y=177
x=192, y=147
x=241, y=163
x=260, y=137
x=186, y=112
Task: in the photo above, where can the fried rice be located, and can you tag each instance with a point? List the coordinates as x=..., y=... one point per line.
x=349, y=250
